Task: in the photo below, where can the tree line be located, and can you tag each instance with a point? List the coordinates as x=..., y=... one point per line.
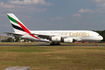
x=16, y=39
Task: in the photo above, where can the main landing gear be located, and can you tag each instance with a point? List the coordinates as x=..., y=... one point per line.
x=54, y=43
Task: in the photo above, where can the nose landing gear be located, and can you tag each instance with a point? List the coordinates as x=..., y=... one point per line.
x=96, y=43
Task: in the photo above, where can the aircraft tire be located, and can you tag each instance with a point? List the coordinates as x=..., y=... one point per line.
x=54, y=43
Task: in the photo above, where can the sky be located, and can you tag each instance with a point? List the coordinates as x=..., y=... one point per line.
x=54, y=14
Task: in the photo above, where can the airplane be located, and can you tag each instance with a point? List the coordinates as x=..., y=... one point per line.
x=54, y=37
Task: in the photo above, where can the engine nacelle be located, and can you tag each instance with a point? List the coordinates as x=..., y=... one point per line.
x=68, y=40
x=56, y=38
x=60, y=39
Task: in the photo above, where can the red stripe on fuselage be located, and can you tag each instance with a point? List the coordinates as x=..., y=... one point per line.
x=26, y=30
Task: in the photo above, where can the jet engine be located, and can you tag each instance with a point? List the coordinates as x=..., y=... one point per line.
x=56, y=38
x=60, y=39
x=68, y=40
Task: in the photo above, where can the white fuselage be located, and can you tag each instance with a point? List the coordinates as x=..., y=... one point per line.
x=78, y=35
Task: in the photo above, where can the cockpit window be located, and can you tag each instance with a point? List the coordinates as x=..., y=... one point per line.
x=99, y=35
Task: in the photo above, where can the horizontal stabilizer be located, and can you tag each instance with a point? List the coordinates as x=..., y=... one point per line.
x=15, y=34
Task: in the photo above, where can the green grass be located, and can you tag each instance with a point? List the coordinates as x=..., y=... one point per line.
x=21, y=49
x=53, y=57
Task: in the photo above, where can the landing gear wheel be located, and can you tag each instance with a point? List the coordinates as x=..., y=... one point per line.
x=57, y=43
x=54, y=43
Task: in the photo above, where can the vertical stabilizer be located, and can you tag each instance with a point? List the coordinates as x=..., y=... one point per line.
x=17, y=25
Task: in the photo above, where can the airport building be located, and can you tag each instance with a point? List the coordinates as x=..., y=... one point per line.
x=3, y=37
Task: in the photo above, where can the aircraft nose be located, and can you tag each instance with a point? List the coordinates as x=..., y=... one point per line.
x=101, y=38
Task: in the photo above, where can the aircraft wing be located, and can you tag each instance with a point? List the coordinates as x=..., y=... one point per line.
x=15, y=34
x=44, y=36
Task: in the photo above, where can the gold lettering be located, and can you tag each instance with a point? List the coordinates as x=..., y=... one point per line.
x=79, y=34
x=63, y=34
x=75, y=34
x=57, y=39
x=87, y=34
x=70, y=34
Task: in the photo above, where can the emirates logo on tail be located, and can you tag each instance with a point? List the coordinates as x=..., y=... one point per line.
x=17, y=24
